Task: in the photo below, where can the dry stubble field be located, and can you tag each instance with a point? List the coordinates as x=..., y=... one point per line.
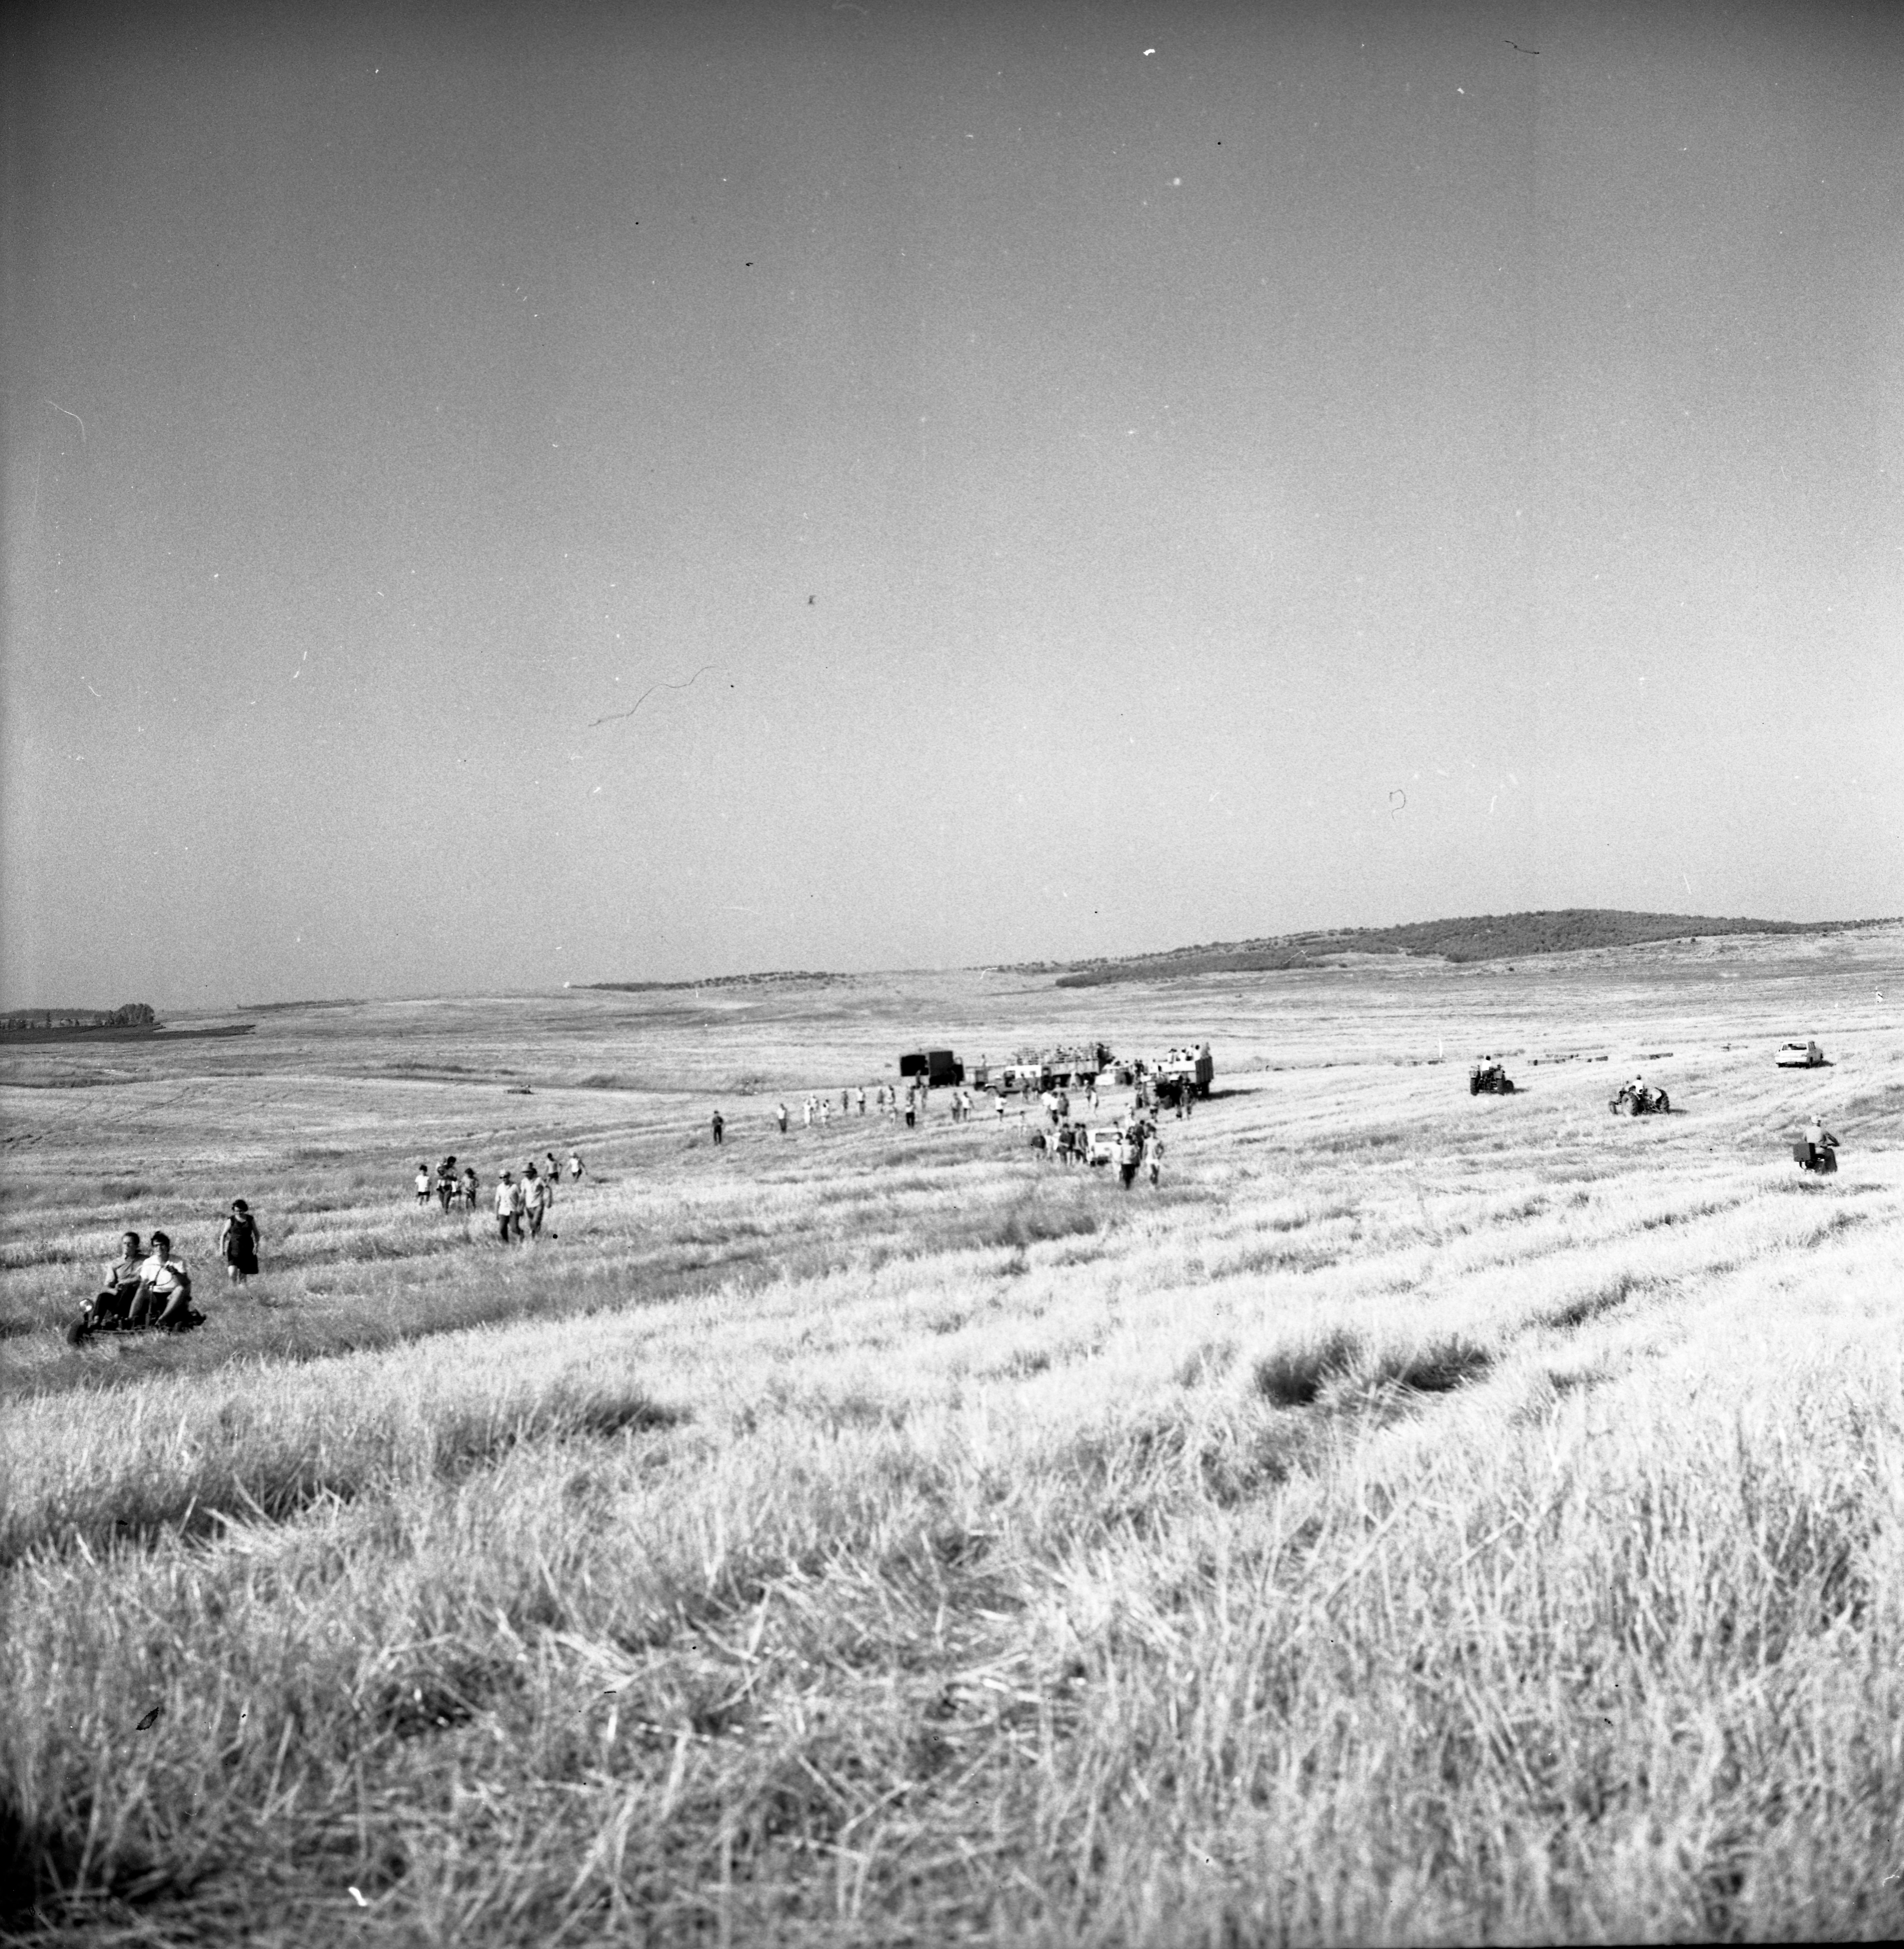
x=1424, y=1517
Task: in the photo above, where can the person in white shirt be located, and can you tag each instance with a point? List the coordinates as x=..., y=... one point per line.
x=164, y=1295
x=506, y=1195
x=575, y=1166
x=423, y=1184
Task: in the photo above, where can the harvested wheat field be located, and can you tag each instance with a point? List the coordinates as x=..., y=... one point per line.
x=1421, y=1517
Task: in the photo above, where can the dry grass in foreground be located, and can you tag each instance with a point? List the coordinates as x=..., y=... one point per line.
x=1429, y=1520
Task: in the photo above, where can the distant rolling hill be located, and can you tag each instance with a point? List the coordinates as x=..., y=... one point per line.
x=1481, y=938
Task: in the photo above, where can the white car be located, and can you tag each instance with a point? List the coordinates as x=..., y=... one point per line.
x=1801, y=1056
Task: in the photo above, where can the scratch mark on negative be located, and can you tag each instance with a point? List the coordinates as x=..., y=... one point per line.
x=614, y=716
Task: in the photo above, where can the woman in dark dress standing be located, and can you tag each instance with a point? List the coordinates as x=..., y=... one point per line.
x=238, y=1243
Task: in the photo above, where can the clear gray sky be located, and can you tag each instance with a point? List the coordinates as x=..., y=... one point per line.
x=1115, y=476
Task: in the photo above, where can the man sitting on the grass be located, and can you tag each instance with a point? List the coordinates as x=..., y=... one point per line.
x=114, y=1299
x=164, y=1296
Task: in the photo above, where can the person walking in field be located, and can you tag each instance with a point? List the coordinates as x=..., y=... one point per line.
x=506, y=1195
x=862, y=1099
x=1127, y=1158
x=446, y=1183
x=779, y=1116
x=826, y=1111
x=807, y=1113
x=719, y=1124
x=237, y=1243
x=471, y=1188
x=1153, y=1157
x=845, y=1100
x=575, y=1166
x=423, y=1184
x=998, y=1104
x=535, y=1200
x=552, y=1176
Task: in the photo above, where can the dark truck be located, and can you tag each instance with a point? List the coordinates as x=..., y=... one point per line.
x=937, y=1068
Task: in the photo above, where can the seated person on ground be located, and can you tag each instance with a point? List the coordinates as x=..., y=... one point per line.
x=164, y=1297
x=1814, y=1149
x=114, y=1299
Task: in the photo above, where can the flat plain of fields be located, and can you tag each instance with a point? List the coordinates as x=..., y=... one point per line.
x=1422, y=1518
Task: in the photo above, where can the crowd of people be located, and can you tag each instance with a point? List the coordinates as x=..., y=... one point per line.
x=887, y=1100
x=149, y=1286
x=520, y=1204
x=1131, y=1142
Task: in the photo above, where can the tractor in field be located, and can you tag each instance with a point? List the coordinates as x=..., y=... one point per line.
x=1639, y=1099
x=1489, y=1079
x=1800, y=1056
